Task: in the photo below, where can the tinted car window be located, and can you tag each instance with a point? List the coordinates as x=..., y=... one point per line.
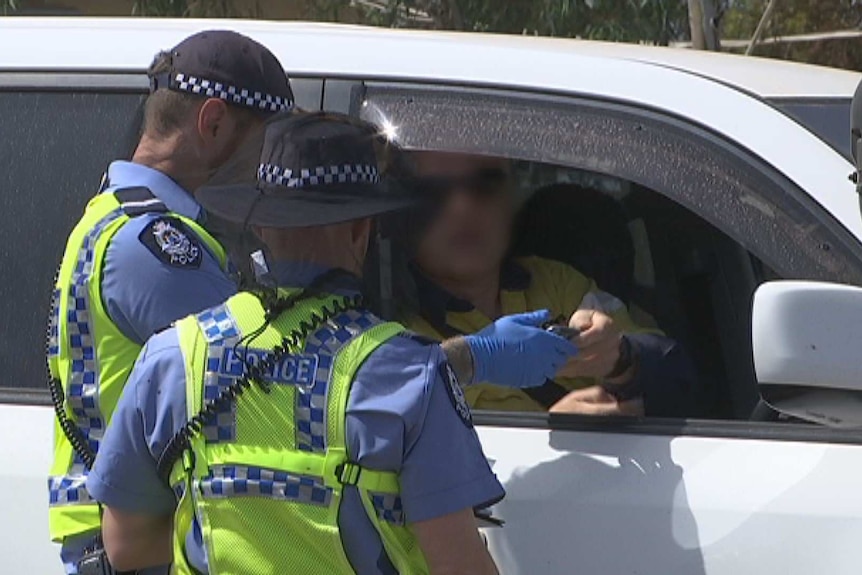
x=828, y=118
x=53, y=150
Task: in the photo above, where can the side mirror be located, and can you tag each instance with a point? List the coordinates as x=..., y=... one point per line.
x=807, y=341
x=856, y=135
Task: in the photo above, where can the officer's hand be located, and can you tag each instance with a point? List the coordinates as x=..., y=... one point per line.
x=596, y=401
x=598, y=345
x=515, y=352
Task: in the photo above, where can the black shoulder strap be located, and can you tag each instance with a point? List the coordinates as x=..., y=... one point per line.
x=139, y=200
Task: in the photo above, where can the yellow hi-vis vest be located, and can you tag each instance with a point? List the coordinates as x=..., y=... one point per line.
x=265, y=476
x=87, y=353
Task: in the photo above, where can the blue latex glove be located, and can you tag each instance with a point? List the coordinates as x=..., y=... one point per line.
x=515, y=352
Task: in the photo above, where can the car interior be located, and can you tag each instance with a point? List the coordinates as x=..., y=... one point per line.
x=673, y=269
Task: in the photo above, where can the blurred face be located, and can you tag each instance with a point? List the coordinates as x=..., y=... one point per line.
x=470, y=235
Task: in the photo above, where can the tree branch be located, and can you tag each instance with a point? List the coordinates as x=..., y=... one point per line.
x=761, y=26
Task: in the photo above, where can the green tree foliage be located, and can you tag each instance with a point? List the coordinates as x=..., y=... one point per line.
x=651, y=21
x=802, y=17
x=193, y=8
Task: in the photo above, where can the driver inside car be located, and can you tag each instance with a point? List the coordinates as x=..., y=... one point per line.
x=464, y=279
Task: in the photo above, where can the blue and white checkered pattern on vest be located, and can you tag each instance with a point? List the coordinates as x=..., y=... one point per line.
x=231, y=94
x=388, y=507
x=82, y=387
x=221, y=333
x=239, y=481
x=54, y=325
x=310, y=412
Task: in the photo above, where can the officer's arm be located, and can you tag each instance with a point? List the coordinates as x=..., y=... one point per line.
x=452, y=545
x=460, y=357
x=145, y=290
x=137, y=505
x=136, y=541
x=440, y=493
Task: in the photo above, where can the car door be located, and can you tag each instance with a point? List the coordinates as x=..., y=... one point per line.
x=713, y=496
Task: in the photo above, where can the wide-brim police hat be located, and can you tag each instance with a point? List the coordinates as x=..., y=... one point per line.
x=315, y=169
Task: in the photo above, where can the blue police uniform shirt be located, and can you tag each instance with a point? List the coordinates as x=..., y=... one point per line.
x=143, y=293
x=400, y=417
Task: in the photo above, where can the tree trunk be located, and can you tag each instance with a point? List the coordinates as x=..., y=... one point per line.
x=695, y=20
x=705, y=21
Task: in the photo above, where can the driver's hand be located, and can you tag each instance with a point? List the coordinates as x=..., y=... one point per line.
x=596, y=401
x=598, y=345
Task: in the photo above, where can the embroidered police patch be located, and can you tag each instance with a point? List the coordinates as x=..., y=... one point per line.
x=170, y=241
x=456, y=394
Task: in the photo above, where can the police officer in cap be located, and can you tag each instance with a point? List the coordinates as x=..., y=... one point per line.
x=141, y=256
x=302, y=433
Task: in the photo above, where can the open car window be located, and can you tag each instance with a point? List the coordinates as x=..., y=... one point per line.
x=708, y=220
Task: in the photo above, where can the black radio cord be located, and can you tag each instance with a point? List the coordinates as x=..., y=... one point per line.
x=58, y=398
x=255, y=373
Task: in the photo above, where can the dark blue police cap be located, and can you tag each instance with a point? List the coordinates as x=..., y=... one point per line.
x=229, y=66
x=315, y=169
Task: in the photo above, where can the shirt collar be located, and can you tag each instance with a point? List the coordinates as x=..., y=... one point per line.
x=122, y=174
x=301, y=274
x=435, y=302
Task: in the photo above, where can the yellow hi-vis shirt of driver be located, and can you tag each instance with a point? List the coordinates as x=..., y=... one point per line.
x=526, y=284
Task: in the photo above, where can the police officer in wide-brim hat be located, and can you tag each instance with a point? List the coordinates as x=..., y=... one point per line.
x=144, y=254
x=305, y=181
x=303, y=396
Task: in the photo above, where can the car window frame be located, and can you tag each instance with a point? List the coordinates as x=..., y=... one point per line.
x=651, y=426
x=308, y=90
x=784, y=105
x=63, y=82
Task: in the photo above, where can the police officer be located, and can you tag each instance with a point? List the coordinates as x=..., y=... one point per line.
x=304, y=434
x=141, y=258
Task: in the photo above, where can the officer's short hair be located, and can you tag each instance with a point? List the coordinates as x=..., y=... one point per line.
x=167, y=110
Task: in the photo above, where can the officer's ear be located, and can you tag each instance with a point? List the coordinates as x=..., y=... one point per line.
x=213, y=124
x=360, y=236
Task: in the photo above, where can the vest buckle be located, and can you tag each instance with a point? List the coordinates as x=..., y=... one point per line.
x=348, y=473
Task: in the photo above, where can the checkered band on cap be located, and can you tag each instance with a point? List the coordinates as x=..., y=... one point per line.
x=243, y=481
x=231, y=94
x=318, y=176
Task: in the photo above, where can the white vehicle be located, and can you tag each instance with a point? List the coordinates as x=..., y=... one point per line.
x=733, y=171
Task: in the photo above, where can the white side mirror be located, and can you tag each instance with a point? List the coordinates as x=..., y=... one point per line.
x=807, y=341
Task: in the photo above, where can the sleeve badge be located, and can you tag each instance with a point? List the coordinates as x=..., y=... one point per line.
x=169, y=240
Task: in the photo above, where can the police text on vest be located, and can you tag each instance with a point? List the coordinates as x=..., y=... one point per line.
x=291, y=370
